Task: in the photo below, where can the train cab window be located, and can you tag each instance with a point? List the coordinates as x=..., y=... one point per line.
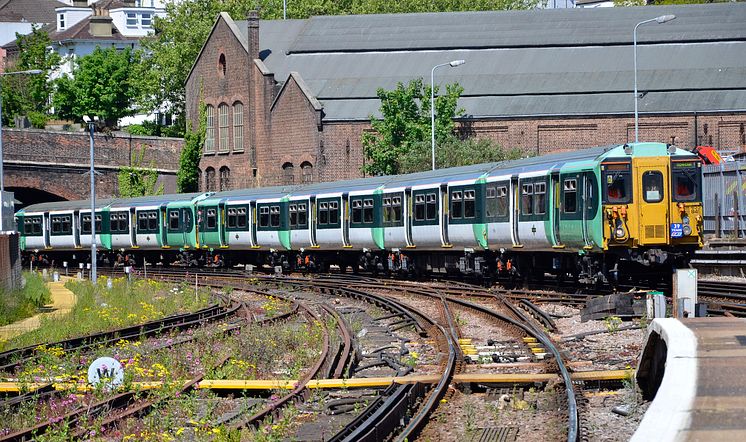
x=618, y=180
x=368, y=211
x=570, y=188
x=527, y=199
x=540, y=198
x=470, y=203
x=274, y=216
x=432, y=206
x=357, y=211
x=457, y=205
x=264, y=216
x=686, y=181
x=652, y=186
x=333, y=212
x=173, y=220
x=212, y=218
x=419, y=207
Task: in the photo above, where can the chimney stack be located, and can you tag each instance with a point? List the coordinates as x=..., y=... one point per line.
x=253, y=22
x=100, y=23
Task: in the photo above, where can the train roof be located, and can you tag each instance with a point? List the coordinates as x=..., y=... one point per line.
x=251, y=193
x=66, y=205
x=155, y=200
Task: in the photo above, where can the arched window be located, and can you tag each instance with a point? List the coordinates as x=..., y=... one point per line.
x=287, y=172
x=225, y=178
x=221, y=65
x=237, y=126
x=306, y=170
x=223, y=121
x=209, y=179
x=210, y=130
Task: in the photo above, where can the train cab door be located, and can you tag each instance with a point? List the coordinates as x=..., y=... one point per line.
x=515, y=197
x=407, y=213
x=312, y=221
x=651, y=190
x=346, y=220
x=443, y=218
x=76, y=228
x=133, y=227
x=253, y=224
x=556, y=197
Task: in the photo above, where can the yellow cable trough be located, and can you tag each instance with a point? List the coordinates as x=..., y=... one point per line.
x=277, y=384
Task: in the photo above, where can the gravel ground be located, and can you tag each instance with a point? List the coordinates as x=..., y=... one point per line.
x=601, y=424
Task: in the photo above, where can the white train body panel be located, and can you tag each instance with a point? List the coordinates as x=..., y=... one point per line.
x=37, y=242
x=148, y=241
x=63, y=242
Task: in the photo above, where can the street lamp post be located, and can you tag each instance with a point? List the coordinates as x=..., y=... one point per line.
x=91, y=124
x=2, y=176
x=452, y=64
x=659, y=20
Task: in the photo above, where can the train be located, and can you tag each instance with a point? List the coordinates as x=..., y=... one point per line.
x=595, y=215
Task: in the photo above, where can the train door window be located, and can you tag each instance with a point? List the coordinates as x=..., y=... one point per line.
x=293, y=208
x=274, y=216
x=502, y=201
x=470, y=204
x=686, y=181
x=333, y=212
x=652, y=186
x=368, y=211
x=457, y=205
x=419, y=207
x=570, y=187
x=540, y=198
x=264, y=216
x=232, y=218
x=387, y=213
x=242, y=220
x=527, y=199
x=174, y=221
x=212, y=219
x=357, y=211
x=491, y=201
x=432, y=206
x=618, y=183
x=302, y=215
x=323, y=213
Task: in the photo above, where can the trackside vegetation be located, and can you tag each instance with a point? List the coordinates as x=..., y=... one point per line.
x=23, y=303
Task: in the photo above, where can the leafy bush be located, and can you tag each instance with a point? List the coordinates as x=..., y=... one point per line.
x=38, y=119
x=19, y=304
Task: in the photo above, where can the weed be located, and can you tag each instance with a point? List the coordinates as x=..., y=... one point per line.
x=612, y=323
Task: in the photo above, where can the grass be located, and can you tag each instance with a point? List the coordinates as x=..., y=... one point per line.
x=23, y=303
x=100, y=309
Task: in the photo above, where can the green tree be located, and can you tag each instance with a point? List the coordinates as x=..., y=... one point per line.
x=101, y=84
x=137, y=180
x=29, y=94
x=187, y=178
x=405, y=122
x=179, y=36
x=452, y=152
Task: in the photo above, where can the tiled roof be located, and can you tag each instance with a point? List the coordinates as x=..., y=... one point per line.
x=32, y=11
x=81, y=31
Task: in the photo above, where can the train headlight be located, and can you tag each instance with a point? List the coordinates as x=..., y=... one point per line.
x=687, y=230
x=620, y=233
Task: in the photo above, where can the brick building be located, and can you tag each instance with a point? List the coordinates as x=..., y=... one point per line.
x=288, y=101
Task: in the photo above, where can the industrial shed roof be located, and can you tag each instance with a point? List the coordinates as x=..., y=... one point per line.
x=519, y=63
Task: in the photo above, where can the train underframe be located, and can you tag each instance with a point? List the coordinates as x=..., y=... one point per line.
x=623, y=266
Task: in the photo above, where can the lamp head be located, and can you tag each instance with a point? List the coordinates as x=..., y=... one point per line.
x=665, y=18
x=455, y=63
x=86, y=118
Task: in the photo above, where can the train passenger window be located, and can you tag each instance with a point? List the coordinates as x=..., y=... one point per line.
x=432, y=206
x=618, y=183
x=173, y=220
x=274, y=216
x=142, y=221
x=264, y=216
x=527, y=199
x=387, y=212
x=686, y=181
x=56, y=225
x=540, y=198
x=302, y=215
x=323, y=213
x=28, y=227
x=357, y=211
x=85, y=225
x=469, y=203
x=502, y=201
x=123, y=225
x=419, y=207
x=570, y=187
x=242, y=220
x=333, y=212
x=491, y=201
x=457, y=206
x=232, y=218
x=212, y=218
x=652, y=186
x=293, y=215
x=32, y=226
x=368, y=211
x=153, y=221
x=396, y=209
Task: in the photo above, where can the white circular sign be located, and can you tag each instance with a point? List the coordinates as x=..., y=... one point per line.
x=106, y=370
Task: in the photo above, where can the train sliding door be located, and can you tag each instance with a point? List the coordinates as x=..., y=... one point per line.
x=515, y=197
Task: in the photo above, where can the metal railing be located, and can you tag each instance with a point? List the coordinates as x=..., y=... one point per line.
x=724, y=197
